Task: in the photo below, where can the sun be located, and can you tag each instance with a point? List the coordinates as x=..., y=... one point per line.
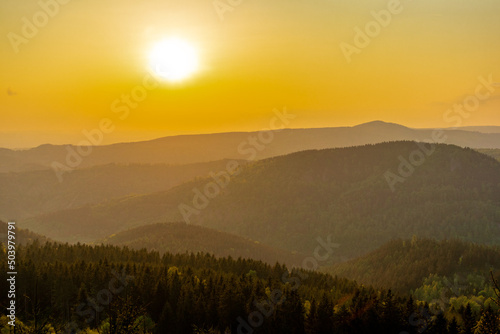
x=174, y=59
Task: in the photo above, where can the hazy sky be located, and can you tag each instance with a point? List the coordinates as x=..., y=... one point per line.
x=71, y=72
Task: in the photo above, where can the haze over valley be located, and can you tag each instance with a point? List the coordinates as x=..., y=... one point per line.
x=250, y=167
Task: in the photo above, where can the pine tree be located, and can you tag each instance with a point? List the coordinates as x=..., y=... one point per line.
x=453, y=326
x=468, y=320
x=342, y=321
x=167, y=322
x=439, y=325
x=390, y=314
x=312, y=318
x=290, y=315
x=324, y=312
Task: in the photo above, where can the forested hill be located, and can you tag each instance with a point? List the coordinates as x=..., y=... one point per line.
x=178, y=238
x=495, y=153
x=106, y=289
x=290, y=201
x=118, y=290
x=21, y=236
x=25, y=194
x=403, y=265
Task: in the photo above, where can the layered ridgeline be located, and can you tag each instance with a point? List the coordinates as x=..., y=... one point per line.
x=178, y=238
x=237, y=145
x=359, y=196
x=25, y=194
x=418, y=264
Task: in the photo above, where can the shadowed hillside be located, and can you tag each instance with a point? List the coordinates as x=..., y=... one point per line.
x=181, y=238
x=290, y=201
x=495, y=153
x=25, y=194
x=22, y=236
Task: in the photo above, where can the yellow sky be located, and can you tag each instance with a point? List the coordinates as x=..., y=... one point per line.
x=261, y=55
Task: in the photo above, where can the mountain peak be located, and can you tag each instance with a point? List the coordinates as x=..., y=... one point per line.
x=380, y=124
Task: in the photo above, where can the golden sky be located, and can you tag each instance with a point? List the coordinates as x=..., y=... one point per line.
x=64, y=76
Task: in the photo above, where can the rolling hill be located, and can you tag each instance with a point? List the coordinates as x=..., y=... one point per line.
x=404, y=265
x=25, y=194
x=22, y=236
x=483, y=129
x=188, y=149
x=495, y=153
x=178, y=238
x=290, y=201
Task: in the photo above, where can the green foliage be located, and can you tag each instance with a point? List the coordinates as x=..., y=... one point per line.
x=405, y=265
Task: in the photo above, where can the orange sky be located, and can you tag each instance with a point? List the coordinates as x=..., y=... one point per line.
x=260, y=55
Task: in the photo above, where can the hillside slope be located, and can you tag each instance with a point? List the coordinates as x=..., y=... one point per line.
x=495, y=153
x=178, y=238
x=290, y=201
x=403, y=265
x=22, y=236
x=25, y=194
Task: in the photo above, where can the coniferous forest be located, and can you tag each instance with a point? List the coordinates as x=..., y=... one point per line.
x=79, y=288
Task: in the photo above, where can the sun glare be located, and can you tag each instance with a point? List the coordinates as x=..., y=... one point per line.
x=174, y=59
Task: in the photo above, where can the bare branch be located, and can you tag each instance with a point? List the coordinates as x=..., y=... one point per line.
x=496, y=288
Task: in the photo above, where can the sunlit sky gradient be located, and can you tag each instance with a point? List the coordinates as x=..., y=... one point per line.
x=263, y=55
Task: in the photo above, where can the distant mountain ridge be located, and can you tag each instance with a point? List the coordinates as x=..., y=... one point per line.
x=482, y=129
x=187, y=149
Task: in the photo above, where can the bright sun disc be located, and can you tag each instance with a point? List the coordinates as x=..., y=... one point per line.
x=174, y=59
